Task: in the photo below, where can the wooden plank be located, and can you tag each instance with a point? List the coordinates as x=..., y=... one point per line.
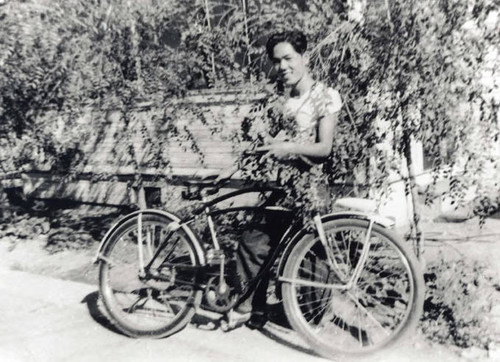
x=221, y=148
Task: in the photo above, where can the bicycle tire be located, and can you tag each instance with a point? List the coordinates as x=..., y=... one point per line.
x=149, y=308
x=382, y=308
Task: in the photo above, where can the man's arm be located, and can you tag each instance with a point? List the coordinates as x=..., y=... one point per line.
x=319, y=150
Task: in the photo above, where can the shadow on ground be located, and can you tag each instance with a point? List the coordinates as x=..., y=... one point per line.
x=277, y=327
x=96, y=311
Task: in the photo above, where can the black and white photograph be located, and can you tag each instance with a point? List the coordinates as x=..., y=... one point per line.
x=249, y=180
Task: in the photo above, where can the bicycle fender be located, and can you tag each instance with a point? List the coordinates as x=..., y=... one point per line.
x=378, y=219
x=173, y=217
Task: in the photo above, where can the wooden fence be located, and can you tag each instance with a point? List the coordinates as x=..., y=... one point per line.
x=121, y=176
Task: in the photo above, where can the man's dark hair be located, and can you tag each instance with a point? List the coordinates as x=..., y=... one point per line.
x=295, y=38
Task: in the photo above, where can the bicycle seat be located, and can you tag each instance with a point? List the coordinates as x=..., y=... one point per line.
x=357, y=204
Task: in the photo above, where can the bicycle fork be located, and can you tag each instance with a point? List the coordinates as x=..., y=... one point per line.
x=331, y=257
x=147, y=243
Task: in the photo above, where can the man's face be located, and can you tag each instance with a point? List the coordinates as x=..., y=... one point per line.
x=288, y=63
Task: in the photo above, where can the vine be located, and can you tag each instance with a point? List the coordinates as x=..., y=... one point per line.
x=406, y=71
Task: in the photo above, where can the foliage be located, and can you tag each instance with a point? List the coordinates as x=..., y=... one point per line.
x=460, y=297
x=410, y=71
x=406, y=71
x=64, y=59
x=435, y=74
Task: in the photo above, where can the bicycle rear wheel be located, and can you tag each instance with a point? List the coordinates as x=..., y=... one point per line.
x=337, y=319
x=143, y=305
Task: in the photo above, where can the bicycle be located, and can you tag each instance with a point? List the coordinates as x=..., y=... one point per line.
x=347, y=283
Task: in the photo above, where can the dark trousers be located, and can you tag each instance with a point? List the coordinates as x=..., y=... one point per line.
x=258, y=241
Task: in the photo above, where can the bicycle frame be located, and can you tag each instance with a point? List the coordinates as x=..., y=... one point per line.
x=347, y=285
x=205, y=207
x=288, y=240
x=210, y=213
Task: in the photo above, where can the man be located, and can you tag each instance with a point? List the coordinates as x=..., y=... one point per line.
x=312, y=108
x=312, y=105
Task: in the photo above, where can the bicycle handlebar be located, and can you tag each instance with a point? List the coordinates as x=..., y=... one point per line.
x=195, y=187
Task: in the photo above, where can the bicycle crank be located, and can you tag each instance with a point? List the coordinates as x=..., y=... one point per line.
x=219, y=297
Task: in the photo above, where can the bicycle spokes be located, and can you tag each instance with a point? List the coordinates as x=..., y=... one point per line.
x=148, y=276
x=358, y=295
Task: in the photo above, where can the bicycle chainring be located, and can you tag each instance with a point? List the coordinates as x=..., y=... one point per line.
x=219, y=298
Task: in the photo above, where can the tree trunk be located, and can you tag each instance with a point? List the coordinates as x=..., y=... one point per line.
x=417, y=235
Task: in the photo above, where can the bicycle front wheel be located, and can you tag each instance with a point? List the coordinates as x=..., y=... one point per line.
x=340, y=313
x=142, y=304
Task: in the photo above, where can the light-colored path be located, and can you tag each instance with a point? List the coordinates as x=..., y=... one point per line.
x=46, y=319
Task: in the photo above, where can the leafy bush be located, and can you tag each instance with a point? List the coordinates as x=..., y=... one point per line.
x=407, y=70
x=63, y=60
x=457, y=310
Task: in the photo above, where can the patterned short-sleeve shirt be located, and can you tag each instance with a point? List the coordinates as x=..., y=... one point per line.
x=309, y=108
